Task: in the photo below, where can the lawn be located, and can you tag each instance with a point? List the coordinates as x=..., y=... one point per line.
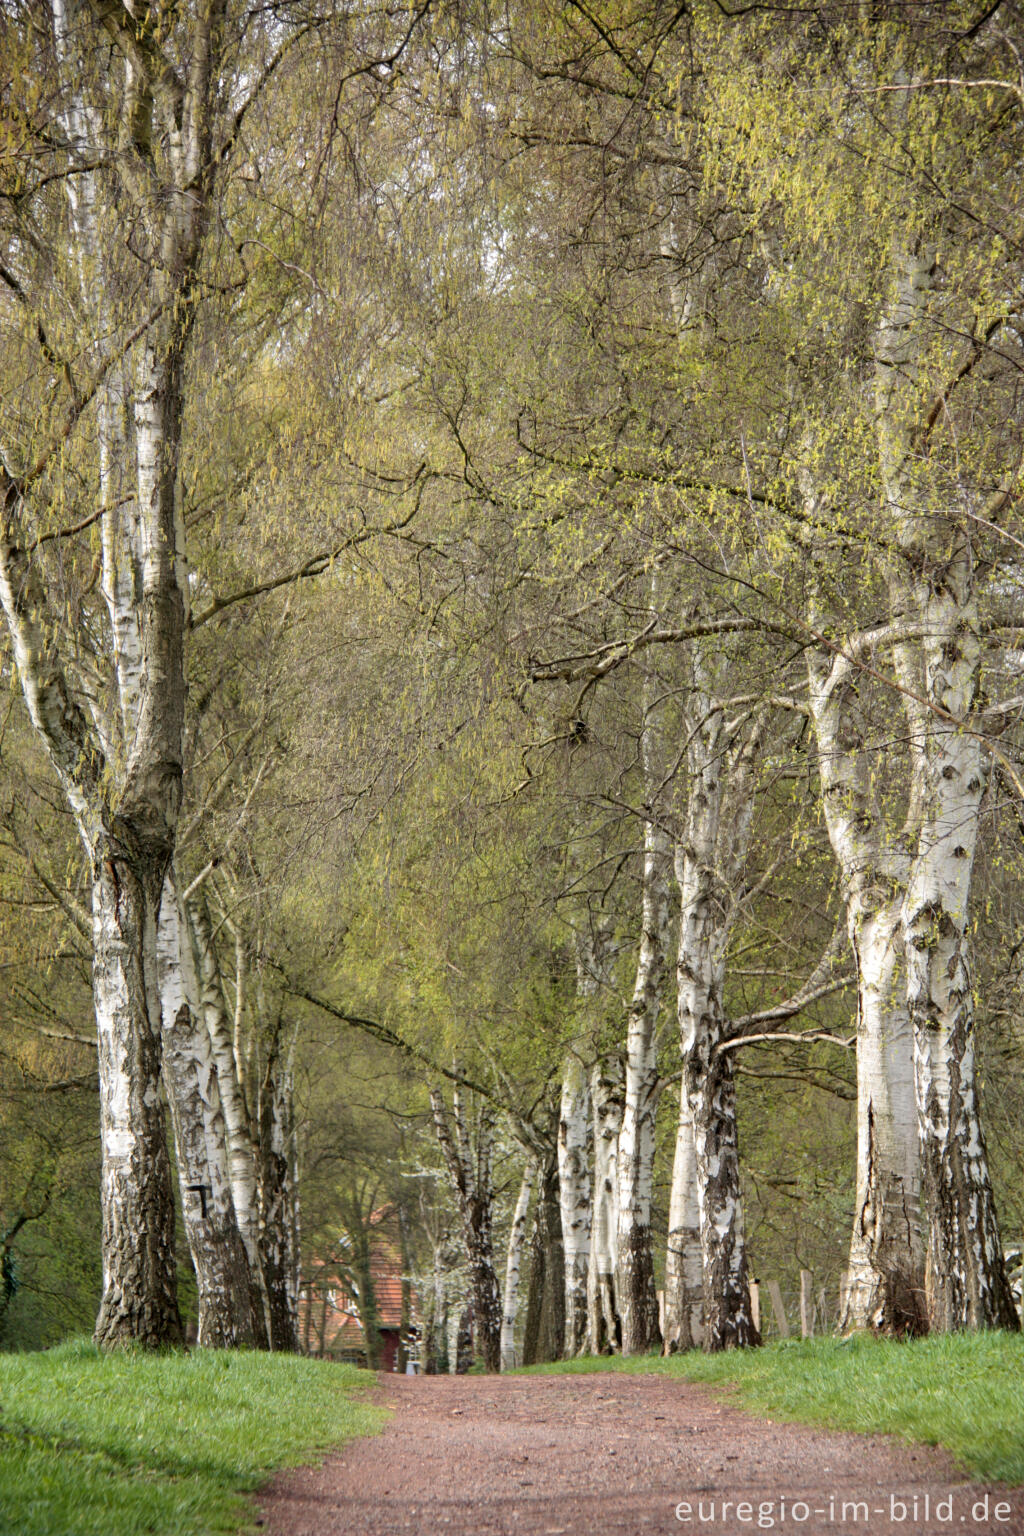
x=963, y=1391
x=122, y=1445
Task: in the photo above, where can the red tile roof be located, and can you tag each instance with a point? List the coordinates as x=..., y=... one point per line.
x=344, y=1329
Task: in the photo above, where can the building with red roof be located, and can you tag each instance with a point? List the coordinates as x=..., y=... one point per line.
x=331, y=1307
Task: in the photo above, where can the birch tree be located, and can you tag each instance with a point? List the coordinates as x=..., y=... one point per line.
x=469, y=1170
x=119, y=755
x=544, y=1323
x=929, y=455
x=637, y=1298
x=513, y=1268
x=684, y=1266
x=708, y=861
x=575, y=1196
x=884, y=1287
x=225, y=1281
x=966, y=1274
x=604, y=1324
x=256, y=1060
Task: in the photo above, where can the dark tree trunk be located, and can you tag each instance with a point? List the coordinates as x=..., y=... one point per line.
x=544, y=1335
x=638, y=1298
x=464, y=1342
x=486, y=1294
x=535, y=1294
x=369, y=1315
x=277, y=1197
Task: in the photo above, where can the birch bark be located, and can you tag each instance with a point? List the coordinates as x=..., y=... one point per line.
x=139, y=1300
x=638, y=1300
x=121, y=770
x=604, y=1333
x=708, y=862
x=278, y=1197
x=544, y=1328
x=471, y=1182
x=513, y=1267
x=966, y=1276
x=884, y=1285
x=240, y=1130
x=575, y=1198
x=684, y=1265
x=218, y=1255
x=255, y=1072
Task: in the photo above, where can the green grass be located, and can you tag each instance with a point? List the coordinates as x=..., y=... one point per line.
x=963, y=1391
x=121, y=1445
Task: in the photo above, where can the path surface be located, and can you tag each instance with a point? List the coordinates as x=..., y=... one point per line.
x=613, y=1455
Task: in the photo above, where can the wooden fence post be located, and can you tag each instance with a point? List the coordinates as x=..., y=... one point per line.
x=778, y=1308
x=755, y=1304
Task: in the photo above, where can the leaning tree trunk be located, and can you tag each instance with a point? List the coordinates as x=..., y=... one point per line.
x=471, y=1183
x=684, y=1266
x=638, y=1301
x=708, y=862
x=884, y=1285
x=513, y=1266
x=574, y=1199
x=218, y=1254
x=604, y=1327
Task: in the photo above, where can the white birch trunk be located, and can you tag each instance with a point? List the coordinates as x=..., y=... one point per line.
x=708, y=863
x=684, y=1268
x=513, y=1267
x=966, y=1276
x=638, y=1302
x=139, y=1300
x=240, y=1133
x=190, y=1077
x=884, y=1285
x=121, y=769
x=574, y=1198
x=967, y=1284
x=604, y=1329
x=471, y=1183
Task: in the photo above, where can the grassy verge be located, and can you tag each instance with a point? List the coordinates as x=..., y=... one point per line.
x=963, y=1391
x=122, y=1445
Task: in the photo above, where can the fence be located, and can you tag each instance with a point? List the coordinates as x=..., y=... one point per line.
x=782, y=1314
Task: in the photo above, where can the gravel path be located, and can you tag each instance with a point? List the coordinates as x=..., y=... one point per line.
x=614, y=1455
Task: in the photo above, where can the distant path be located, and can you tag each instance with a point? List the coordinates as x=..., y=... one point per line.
x=612, y=1455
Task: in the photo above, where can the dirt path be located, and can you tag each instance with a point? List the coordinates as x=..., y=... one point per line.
x=614, y=1455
